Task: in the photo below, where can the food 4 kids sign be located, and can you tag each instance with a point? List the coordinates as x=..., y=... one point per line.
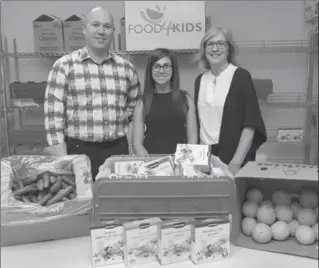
x=169, y=24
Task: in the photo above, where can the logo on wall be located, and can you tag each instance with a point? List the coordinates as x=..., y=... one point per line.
x=155, y=23
x=153, y=15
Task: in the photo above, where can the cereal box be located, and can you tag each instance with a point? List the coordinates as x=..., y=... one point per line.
x=107, y=243
x=141, y=241
x=211, y=240
x=175, y=241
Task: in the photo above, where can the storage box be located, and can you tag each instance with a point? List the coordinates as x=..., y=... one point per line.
x=175, y=240
x=168, y=197
x=107, y=243
x=311, y=10
x=269, y=178
x=211, y=240
x=48, y=34
x=73, y=33
x=62, y=227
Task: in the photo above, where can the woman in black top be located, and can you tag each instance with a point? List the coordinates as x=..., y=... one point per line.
x=165, y=111
x=228, y=113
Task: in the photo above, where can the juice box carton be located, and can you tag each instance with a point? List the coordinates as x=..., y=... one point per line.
x=175, y=240
x=47, y=34
x=141, y=241
x=73, y=33
x=107, y=243
x=211, y=241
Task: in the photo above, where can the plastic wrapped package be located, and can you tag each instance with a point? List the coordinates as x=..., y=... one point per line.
x=22, y=169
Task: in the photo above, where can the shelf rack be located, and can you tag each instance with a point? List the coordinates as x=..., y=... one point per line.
x=291, y=100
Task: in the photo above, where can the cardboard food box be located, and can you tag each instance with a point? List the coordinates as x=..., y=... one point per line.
x=73, y=33
x=311, y=10
x=282, y=189
x=47, y=34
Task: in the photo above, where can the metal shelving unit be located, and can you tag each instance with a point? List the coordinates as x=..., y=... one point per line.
x=284, y=101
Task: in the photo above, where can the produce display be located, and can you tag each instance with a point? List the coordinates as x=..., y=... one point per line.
x=285, y=215
x=44, y=189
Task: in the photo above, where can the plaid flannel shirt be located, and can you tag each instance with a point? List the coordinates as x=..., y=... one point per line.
x=89, y=101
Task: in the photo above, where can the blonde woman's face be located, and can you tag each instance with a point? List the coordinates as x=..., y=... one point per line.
x=216, y=49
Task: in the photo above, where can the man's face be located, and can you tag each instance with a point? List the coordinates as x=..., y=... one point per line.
x=99, y=30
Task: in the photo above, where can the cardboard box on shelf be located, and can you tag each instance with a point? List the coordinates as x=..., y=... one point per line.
x=288, y=180
x=47, y=34
x=73, y=33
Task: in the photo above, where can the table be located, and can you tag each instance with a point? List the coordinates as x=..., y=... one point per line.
x=76, y=253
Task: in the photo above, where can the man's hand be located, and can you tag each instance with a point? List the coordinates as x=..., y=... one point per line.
x=56, y=150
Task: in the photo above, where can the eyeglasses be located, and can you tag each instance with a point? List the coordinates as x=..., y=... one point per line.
x=166, y=67
x=219, y=45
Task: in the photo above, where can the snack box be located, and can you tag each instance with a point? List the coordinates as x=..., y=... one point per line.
x=270, y=178
x=211, y=240
x=175, y=240
x=141, y=241
x=167, y=197
x=194, y=154
x=107, y=243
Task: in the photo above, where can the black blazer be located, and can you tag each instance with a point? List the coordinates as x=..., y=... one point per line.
x=241, y=110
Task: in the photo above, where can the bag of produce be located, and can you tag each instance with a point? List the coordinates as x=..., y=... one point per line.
x=38, y=187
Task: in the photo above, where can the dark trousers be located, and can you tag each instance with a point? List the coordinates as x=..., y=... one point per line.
x=214, y=149
x=97, y=151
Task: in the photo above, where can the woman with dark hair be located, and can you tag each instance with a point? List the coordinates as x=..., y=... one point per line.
x=165, y=111
x=228, y=113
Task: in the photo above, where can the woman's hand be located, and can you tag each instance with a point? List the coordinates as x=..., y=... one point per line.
x=141, y=151
x=234, y=167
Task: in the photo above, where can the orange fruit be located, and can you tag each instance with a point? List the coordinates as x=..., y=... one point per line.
x=248, y=225
x=315, y=229
x=295, y=207
x=249, y=209
x=254, y=195
x=307, y=216
x=305, y=235
x=266, y=214
x=284, y=213
x=262, y=233
x=281, y=198
x=267, y=203
x=293, y=225
x=280, y=230
x=308, y=199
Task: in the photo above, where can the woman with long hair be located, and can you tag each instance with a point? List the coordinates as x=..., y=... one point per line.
x=228, y=113
x=166, y=112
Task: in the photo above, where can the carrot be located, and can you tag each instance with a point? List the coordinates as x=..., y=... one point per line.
x=53, y=179
x=65, y=199
x=72, y=195
x=46, y=181
x=58, y=197
x=45, y=199
x=30, y=180
x=24, y=190
x=41, y=195
x=68, y=181
x=64, y=185
x=33, y=198
x=40, y=184
x=25, y=199
x=19, y=184
x=56, y=186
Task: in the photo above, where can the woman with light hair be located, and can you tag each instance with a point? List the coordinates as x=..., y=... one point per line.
x=227, y=110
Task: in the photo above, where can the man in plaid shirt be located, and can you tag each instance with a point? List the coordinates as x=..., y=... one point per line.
x=90, y=96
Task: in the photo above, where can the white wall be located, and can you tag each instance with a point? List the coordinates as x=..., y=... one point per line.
x=248, y=20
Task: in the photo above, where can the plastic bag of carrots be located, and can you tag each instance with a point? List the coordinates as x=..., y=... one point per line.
x=37, y=186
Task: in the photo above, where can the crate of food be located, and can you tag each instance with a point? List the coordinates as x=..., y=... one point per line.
x=277, y=208
x=44, y=198
x=120, y=194
x=28, y=90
